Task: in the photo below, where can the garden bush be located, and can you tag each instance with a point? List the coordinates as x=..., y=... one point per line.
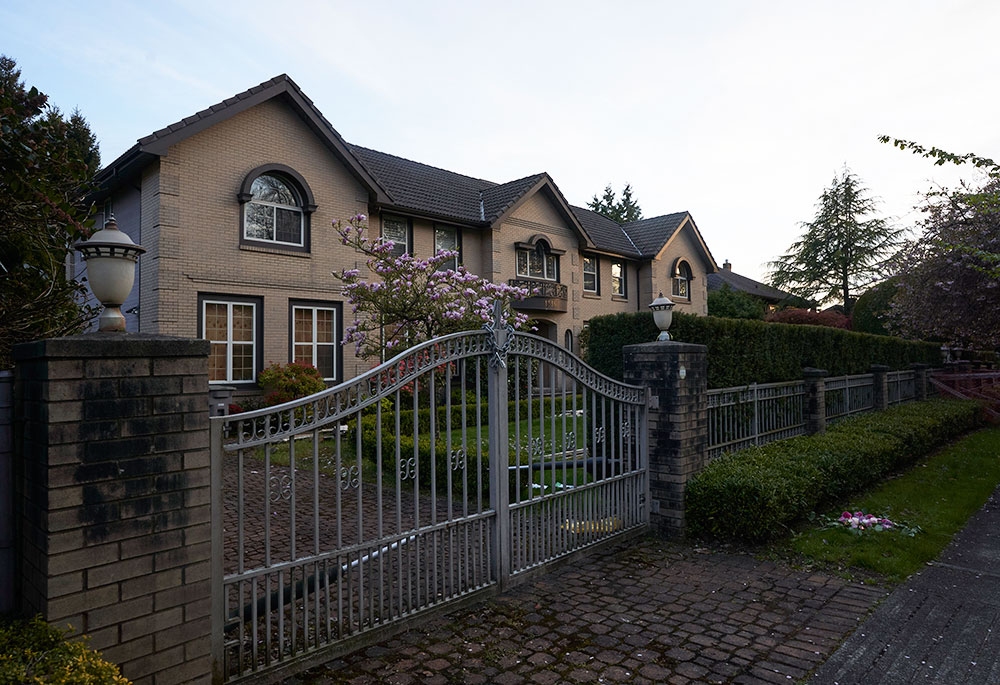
x=283, y=383
x=32, y=651
x=753, y=494
x=741, y=352
x=805, y=317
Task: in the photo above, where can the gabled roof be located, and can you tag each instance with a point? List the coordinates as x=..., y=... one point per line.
x=606, y=234
x=747, y=285
x=650, y=235
x=159, y=142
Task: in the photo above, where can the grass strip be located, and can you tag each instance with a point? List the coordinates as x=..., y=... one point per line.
x=938, y=494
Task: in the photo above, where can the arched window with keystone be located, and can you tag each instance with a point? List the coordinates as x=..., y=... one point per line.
x=276, y=204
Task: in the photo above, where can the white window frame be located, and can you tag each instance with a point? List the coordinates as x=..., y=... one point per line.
x=229, y=342
x=444, y=266
x=622, y=291
x=678, y=279
x=406, y=234
x=274, y=219
x=545, y=266
x=596, y=274
x=315, y=344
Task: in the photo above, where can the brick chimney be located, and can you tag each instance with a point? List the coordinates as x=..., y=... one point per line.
x=727, y=266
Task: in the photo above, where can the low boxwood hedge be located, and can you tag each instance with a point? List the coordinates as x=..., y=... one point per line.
x=753, y=494
x=32, y=651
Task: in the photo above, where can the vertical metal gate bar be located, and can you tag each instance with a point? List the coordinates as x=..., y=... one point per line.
x=499, y=482
x=416, y=492
x=399, y=508
x=291, y=501
x=315, y=464
x=432, y=572
x=379, y=522
x=479, y=461
x=529, y=537
x=519, y=553
x=551, y=513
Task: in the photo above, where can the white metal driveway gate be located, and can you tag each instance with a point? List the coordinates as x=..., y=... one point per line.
x=451, y=469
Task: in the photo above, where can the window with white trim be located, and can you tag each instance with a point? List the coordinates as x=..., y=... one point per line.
x=590, y=279
x=446, y=239
x=397, y=229
x=619, y=278
x=314, y=338
x=538, y=263
x=274, y=212
x=231, y=328
x=682, y=281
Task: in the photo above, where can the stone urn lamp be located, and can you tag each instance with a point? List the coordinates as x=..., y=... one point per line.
x=111, y=257
x=663, y=315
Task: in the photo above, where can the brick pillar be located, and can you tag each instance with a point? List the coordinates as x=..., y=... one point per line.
x=677, y=377
x=920, y=382
x=880, y=386
x=114, y=499
x=815, y=400
x=7, y=602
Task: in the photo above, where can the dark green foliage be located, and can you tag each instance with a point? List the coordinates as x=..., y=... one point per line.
x=871, y=308
x=831, y=318
x=46, y=163
x=286, y=382
x=32, y=651
x=741, y=352
x=623, y=211
x=735, y=304
x=754, y=494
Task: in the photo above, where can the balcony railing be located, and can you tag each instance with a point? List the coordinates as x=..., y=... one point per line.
x=546, y=295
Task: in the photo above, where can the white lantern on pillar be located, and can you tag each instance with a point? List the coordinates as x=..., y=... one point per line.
x=111, y=257
x=663, y=315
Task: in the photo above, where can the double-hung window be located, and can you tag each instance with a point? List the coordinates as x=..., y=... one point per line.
x=590, y=278
x=232, y=329
x=314, y=338
x=619, y=279
x=447, y=239
x=397, y=229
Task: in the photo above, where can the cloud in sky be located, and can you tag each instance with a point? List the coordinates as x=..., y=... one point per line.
x=740, y=112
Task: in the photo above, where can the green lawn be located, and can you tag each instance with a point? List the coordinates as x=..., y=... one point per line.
x=938, y=494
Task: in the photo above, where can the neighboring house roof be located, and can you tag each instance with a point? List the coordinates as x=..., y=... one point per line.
x=747, y=285
x=398, y=183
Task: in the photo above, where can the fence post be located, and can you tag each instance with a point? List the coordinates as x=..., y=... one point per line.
x=920, y=380
x=114, y=498
x=496, y=414
x=7, y=592
x=880, y=386
x=815, y=400
x=677, y=377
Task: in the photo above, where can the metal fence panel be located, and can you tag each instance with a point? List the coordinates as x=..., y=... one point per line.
x=752, y=415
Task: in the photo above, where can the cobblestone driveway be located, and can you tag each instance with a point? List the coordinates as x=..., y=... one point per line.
x=650, y=612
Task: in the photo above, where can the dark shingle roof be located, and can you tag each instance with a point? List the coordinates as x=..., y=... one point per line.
x=747, y=285
x=650, y=235
x=606, y=234
x=499, y=198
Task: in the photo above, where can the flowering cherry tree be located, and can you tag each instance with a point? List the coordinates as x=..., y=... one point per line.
x=408, y=300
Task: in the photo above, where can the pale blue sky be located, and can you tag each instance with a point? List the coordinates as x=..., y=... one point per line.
x=740, y=112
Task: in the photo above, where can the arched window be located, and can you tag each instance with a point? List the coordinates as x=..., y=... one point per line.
x=537, y=259
x=682, y=280
x=568, y=340
x=276, y=208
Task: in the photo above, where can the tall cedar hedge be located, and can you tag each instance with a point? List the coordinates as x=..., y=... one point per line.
x=741, y=352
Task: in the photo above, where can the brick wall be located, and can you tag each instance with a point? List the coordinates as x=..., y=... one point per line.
x=114, y=500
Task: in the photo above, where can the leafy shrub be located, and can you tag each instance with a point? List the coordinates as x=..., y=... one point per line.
x=809, y=318
x=32, y=651
x=289, y=382
x=752, y=494
x=868, y=315
x=735, y=304
x=741, y=352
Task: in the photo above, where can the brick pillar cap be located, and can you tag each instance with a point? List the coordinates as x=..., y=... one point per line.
x=810, y=372
x=112, y=345
x=879, y=368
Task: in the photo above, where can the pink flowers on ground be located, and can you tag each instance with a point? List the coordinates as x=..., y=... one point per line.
x=862, y=521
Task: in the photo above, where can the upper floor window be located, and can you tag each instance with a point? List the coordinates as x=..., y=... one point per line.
x=619, y=279
x=590, y=275
x=397, y=229
x=277, y=205
x=448, y=239
x=682, y=280
x=538, y=262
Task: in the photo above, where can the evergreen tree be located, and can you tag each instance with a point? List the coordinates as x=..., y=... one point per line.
x=622, y=211
x=46, y=163
x=844, y=248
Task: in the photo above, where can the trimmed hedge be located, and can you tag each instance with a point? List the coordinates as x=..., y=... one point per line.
x=741, y=352
x=752, y=494
x=32, y=651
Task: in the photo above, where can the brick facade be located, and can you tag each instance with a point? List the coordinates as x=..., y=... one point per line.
x=113, y=488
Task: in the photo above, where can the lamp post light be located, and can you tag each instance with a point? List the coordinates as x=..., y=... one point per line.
x=662, y=315
x=111, y=257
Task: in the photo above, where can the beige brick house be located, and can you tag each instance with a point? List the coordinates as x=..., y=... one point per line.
x=235, y=204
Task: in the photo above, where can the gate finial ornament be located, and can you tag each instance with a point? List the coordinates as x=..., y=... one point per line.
x=503, y=334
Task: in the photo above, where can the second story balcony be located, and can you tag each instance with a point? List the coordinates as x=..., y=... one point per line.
x=548, y=296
